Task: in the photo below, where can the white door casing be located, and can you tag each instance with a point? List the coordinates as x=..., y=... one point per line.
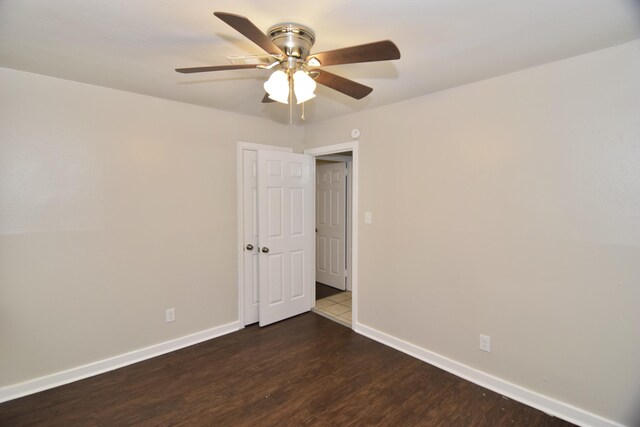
x=250, y=235
x=354, y=148
x=330, y=224
x=349, y=221
x=285, y=234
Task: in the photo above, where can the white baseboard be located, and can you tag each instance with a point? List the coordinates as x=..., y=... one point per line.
x=64, y=377
x=528, y=397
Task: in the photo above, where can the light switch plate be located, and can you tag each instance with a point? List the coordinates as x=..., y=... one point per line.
x=368, y=217
x=485, y=343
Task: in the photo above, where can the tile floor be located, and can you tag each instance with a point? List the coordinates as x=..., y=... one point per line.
x=336, y=307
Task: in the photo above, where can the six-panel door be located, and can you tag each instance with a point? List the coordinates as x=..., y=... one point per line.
x=330, y=224
x=285, y=235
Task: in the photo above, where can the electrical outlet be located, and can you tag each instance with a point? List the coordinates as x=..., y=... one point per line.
x=485, y=343
x=170, y=315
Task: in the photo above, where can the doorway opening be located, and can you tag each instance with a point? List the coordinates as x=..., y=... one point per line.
x=335, y=220
x=274, y=284
x=333, y=290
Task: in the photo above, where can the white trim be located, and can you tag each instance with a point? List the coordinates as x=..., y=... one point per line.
x=333, y=149
x=36, y=385
x=531, y=398
x=240, y=147
x=339, y=159
x=349, y=224
x=352, y=146
x=312, y=291
x=256, y=147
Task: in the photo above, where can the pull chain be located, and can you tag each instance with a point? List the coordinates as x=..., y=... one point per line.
x=290, y=98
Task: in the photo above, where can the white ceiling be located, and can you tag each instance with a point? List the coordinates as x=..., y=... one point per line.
x=135, y=45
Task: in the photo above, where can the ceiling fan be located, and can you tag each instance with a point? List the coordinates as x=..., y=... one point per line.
x=288, y=46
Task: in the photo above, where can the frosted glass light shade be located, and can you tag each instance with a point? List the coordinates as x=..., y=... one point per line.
x=278, y=87
x=303, y=86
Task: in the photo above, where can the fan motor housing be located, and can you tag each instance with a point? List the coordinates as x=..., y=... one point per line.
x=295, y=40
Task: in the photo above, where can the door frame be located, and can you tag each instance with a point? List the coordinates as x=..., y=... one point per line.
x=352, y=146
x=349, y=237
x=240, y=147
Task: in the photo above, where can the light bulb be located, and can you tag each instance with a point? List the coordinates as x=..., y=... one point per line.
x=278, y=87
x=303, y=86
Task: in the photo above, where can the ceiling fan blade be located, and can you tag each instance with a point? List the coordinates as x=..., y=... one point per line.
x=370, y=52
x=346, y=86
x=266, y=99
x=216, y=68
x=250, y=31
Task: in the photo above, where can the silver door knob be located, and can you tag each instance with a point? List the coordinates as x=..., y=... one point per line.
x=249, y=247
x=265, y=250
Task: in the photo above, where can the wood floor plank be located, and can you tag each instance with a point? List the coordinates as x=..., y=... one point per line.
x=304, y=371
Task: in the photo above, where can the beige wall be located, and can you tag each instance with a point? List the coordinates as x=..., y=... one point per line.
x=113, y=207
x=511, y=207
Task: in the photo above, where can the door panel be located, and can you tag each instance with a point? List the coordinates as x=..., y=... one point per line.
x=330, y=224
x=285, y=222
x=297, y=274
x=321, y=251
x=275, y=208
x=275, y=282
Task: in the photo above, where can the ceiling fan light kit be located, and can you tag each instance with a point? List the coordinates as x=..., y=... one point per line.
x=278, y=86
x=303, y=86
x=297, y=69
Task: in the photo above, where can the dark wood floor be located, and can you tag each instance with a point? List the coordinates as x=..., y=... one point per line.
x=304, y=371
x=323, y=291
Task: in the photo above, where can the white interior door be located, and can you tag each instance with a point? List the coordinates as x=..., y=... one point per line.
x=330, y=224
x=250, y=235
x=285, y=233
